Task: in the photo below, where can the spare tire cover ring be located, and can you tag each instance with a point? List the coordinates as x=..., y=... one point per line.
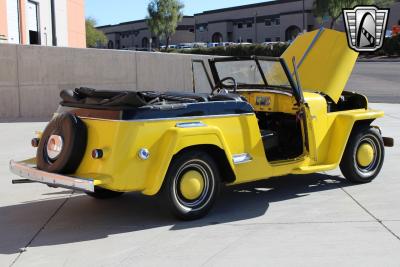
x=73, y=133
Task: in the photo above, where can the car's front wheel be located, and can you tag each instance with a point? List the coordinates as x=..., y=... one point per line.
x=191, y=185
x=364, y=155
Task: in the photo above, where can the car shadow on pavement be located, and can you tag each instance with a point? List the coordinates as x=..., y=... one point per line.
x=83, y=219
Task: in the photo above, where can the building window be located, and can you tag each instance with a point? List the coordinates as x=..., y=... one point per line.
x=202, y=29
x=249, y=25
x=278, y=39
x=249, y=40
x=277, y=21
x=268, y=22
x=191, y=30
x=217, y=38
x=230, y=36
x=110, y=44
x=240, y=25
x=267, y=40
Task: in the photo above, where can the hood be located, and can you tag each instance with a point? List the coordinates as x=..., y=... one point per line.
x=324, y=59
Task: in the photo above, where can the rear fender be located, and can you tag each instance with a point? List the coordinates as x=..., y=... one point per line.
x=174, y=141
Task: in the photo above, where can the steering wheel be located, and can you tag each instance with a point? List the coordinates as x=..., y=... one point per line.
x=235, y=85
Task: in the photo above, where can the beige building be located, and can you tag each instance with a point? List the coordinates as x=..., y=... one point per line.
x=279, y=20
x=136, y=34
x=43, y=22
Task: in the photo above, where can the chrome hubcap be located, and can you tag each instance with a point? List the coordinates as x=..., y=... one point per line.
x=54, y=146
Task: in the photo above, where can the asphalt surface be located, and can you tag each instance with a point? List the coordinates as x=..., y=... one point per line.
x=380, y=81
x=308, y=220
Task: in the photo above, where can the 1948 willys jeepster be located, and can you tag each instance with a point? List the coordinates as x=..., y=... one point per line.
x=265, y=117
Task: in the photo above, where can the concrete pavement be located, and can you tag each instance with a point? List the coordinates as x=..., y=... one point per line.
x=309, y=220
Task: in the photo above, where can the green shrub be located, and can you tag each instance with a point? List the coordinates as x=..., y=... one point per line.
x=391, y=46
x=275, y=50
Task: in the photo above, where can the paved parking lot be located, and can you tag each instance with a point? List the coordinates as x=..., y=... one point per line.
x=309, y=220
x=380, y=81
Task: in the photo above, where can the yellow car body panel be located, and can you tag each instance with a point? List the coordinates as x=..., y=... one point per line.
x=121, y=169
x=121, y=141
x=327, y=66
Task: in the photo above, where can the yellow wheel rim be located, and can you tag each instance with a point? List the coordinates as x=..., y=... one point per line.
x=192, y=185
x=365, y=155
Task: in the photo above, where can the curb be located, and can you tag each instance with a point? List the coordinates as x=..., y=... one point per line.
x=379, y=60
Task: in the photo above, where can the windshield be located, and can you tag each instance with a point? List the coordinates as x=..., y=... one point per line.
x=247, y=74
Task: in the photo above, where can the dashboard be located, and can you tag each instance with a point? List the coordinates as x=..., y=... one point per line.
x=271, y=101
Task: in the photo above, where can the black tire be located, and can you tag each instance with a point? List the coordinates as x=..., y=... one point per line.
x=74, y=135
x=171, y=194
x=102, y=193
x=350, y=166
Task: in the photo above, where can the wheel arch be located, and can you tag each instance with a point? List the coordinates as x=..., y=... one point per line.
x=176, y=141
x=343, y=127
x=357, y=125
x=219, y=156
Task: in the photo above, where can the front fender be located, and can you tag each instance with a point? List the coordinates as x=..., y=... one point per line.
x=175, y=140
x=342, y=128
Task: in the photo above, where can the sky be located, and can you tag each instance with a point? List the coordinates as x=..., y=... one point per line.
x=116, y=11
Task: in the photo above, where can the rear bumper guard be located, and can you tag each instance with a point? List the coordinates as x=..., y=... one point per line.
x=388, y=141
x=30, y=172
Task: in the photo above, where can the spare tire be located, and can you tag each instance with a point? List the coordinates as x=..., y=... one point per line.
x=63, y=144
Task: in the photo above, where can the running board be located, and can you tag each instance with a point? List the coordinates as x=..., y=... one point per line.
x=314, y=169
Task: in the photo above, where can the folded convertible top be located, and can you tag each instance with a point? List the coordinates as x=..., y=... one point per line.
x=88, y=97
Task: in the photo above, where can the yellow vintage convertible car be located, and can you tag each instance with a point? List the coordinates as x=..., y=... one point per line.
x=265, y=117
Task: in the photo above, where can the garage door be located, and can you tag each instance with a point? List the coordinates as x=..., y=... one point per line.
x=13, y=21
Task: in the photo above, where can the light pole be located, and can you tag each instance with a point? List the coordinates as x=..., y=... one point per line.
x=195, y=30
x=255, y=27
x=304, y=16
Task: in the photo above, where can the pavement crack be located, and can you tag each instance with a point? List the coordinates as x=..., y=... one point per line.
x=209, y=259
x=22, y=250
x=299, y=223
x=370, y=213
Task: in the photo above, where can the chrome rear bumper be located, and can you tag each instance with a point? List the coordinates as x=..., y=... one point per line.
x=29, y=171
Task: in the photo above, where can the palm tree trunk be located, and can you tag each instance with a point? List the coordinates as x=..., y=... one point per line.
x=167, y=46
x=333, y=22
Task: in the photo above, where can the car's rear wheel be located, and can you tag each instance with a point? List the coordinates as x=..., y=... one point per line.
x=191, y=185
x=364, y=155
x=102, y=193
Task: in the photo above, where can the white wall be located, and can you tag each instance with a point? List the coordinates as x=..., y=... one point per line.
x=45, y=22
x=61, y=22
x=12, y=22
